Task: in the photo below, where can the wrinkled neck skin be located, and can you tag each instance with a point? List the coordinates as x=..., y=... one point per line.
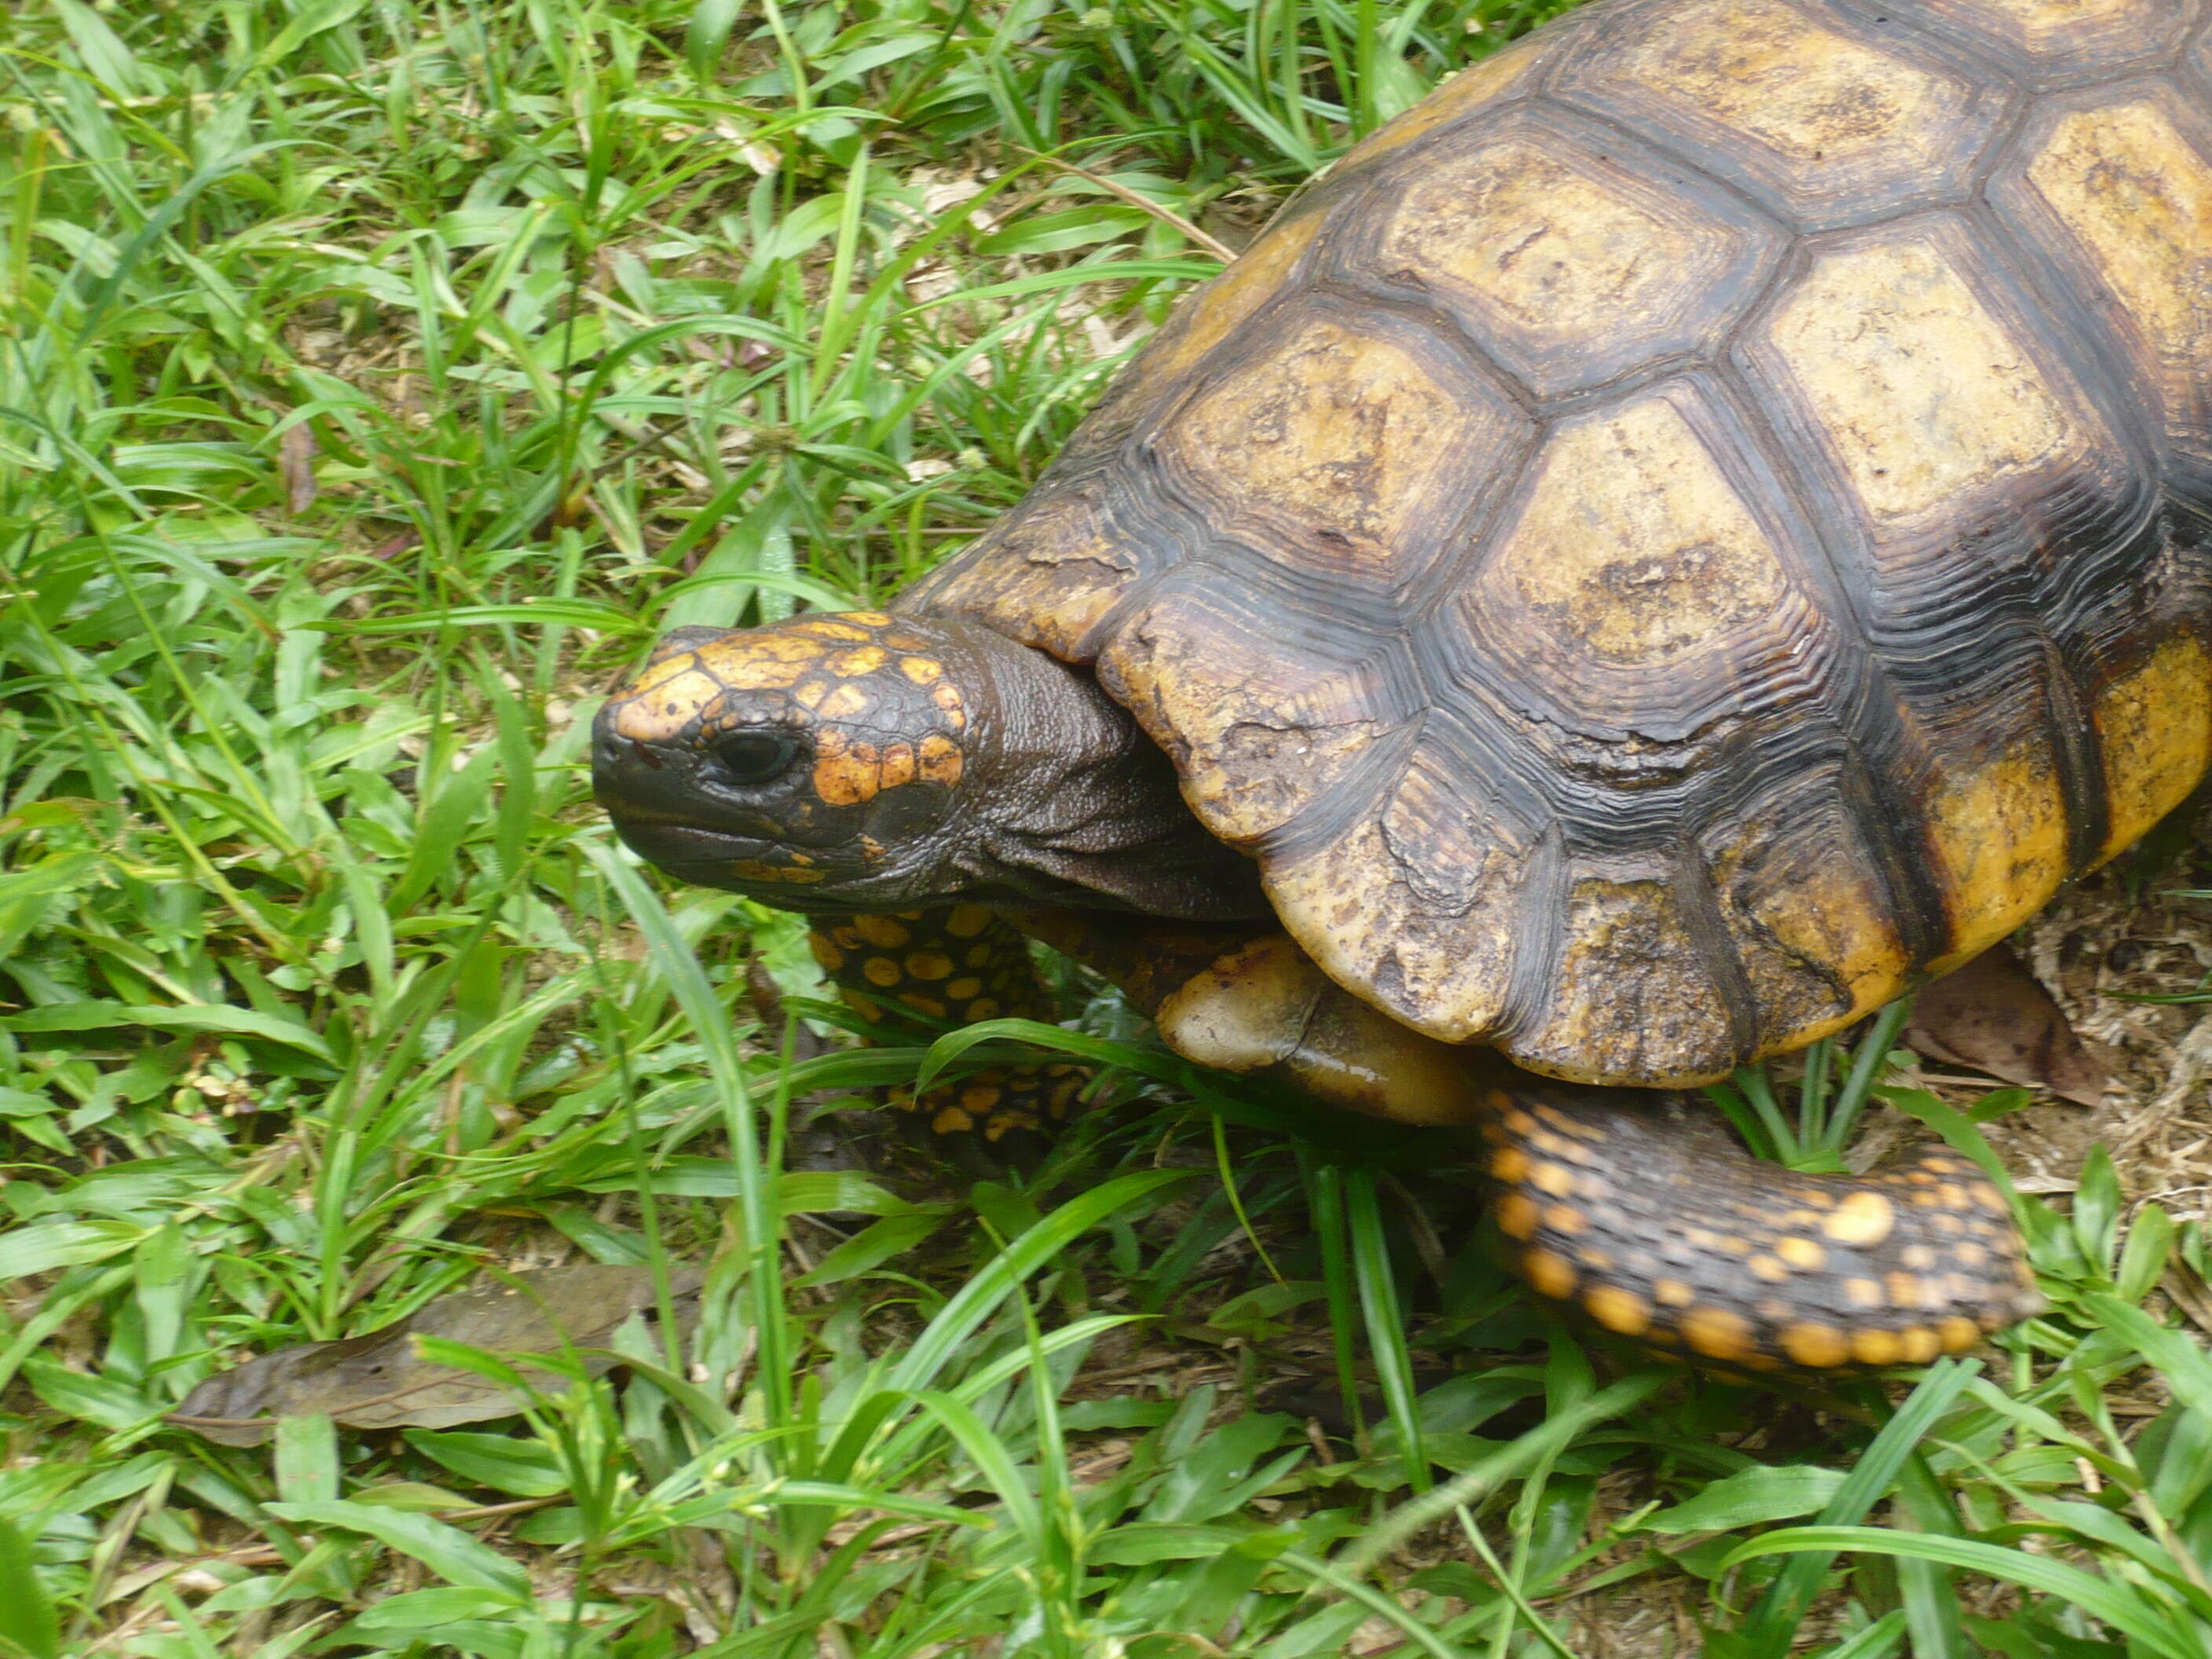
x=1067, y=802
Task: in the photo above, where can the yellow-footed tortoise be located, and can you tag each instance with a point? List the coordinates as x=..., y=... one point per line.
x=1696, y=528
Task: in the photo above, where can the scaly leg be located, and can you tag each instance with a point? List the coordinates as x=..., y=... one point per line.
x=963, y=964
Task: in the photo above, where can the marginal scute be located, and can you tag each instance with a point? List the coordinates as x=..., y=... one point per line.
x=1923, y=395
x=2134, y=193
x=1257, y=732
x=1997, y=826
x=1812, y=922
x=1045, y=575
x=1336, y=449
x=1834, y=127
x=1563, y=264
x=2154, y=727
x=1441, y=966
x=1629, y=999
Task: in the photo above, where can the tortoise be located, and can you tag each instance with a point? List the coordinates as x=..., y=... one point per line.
x=1693, y=530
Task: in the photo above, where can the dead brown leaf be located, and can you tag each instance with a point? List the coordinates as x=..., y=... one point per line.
x=295, y=460
x=1994, y=1016
x=382, y=1381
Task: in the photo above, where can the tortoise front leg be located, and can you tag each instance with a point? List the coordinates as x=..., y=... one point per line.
x=960, y=963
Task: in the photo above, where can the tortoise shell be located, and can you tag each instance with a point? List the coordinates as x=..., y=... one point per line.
x=1693, y=528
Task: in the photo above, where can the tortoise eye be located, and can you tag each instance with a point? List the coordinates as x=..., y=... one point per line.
x=756, y=756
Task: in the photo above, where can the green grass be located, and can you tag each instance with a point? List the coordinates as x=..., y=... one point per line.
x=377, y=376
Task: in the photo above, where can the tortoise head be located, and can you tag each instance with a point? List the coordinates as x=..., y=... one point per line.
x=816, y=764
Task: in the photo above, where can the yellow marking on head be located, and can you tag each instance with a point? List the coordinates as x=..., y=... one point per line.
x=1564, y=1219
x=1958, y=1334
x=1499, y=1101
x=827, y=955
x=859, y=661
x=1969, y=1254
x=1520, y=1122
x=772, y=874
x=808, y=694
x=660, y=712
x=1948, y=1224
x=1768, y=1269
x=940, y=760
x=1801, y=1218
x=1717, y=1332
x=1918, y=1344
x=1820, y=1346
x=1863, y=1292
x=1862, y=1219
x=1618, y=1309
x=1553, y=1180
x=1598, y=1262
x=865, y=1007
x=961, y=989
x=1987, y=1196
x=981, y=1098
x=929, y=965
x=829, y=628
x=922, y=671
x=1916, y=1255
x=950, y=1120
x=1517, y=1216
x=881, y=930
x=1904, y=1289
x=983, y=1008
x=881, y=971
x=1551, y=1273
x=1872, y=1348
x=966, y=921
x=1510, y=1164
x=946, y=696
x=1801, y=1253
x=866, y=618
x=1919, y=1178
x=922, y=1004
x=760, y=662
x=897, y=765
x=847, y=774
x=845, y=703
x=1672, y=1293
x=1005, y=1120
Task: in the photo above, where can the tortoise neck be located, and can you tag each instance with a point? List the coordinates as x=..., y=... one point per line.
x=1075, y=805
